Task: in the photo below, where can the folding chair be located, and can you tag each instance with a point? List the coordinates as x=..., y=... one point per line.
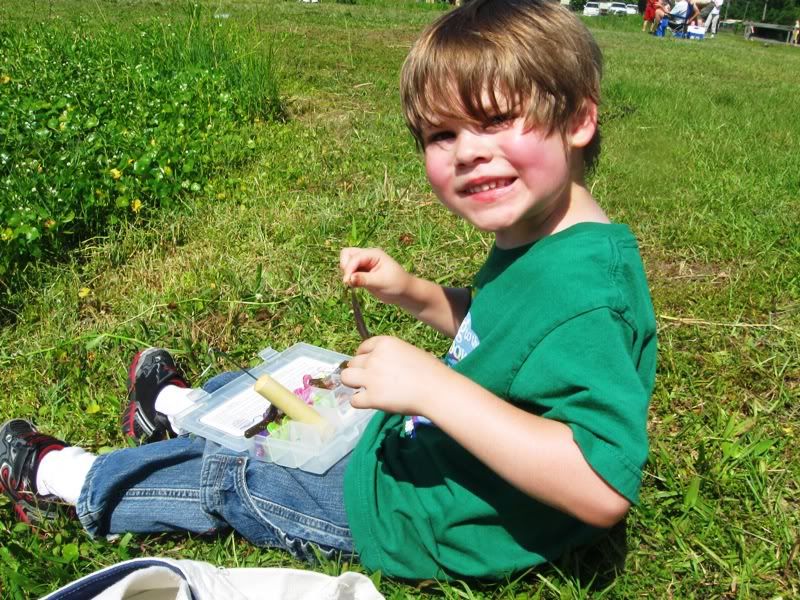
x=675, y=24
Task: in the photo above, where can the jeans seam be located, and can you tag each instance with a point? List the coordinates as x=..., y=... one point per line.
x=88, y=515
x=254, y=503
x=298, y=546
x=211, y=477
x=287, y=512
x=162, y=493
x=298, y=517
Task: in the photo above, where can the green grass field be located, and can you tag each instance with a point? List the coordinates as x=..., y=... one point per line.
x=699, y=157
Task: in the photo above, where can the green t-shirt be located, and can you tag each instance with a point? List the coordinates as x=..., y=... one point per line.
x=563, y=328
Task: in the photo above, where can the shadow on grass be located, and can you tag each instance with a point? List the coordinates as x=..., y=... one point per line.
x=588, y=569
x=592, y=567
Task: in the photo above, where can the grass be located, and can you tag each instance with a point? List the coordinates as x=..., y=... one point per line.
x=697, y=157
x=129, y=122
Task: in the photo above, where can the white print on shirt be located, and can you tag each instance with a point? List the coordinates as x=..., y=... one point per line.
x=466, y=341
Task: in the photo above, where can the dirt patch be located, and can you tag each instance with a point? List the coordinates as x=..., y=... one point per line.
x=664, y=269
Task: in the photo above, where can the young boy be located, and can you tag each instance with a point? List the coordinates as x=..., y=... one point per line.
x=528, y=439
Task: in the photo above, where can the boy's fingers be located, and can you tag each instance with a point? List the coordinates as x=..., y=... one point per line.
x=348, y=266
x=349, y=270
x=360, y=400
x=353, y=377
x=367, y=345
x=360, y=279
x=350, y=260
x=348, y=251
x=344, y=256
x=357, y=362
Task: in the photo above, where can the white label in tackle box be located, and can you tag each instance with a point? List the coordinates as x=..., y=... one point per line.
x=226, y=414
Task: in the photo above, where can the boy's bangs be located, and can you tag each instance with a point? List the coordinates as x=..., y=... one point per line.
x=462, y=87
x=527, y=58
x=456, y=78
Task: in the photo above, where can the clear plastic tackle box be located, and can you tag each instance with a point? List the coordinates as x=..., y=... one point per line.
x=226, y=414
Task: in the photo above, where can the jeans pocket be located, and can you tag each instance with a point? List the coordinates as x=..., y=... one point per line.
x=291, y=509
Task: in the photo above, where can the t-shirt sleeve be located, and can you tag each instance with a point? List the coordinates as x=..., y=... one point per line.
x=583, y=373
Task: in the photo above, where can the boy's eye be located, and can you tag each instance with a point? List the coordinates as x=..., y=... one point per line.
x=497, y=121
x=439, y=136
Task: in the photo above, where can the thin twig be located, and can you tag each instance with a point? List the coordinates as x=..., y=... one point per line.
x=8, y=358
x=790, y=561
x=703, y=322
x=88, y=337
x=176, y=303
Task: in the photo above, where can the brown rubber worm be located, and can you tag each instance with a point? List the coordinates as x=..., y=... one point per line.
x=359, y=317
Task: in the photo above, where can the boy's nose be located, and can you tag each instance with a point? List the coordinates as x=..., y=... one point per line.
x=471, y=148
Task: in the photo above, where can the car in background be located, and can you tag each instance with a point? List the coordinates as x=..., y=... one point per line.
x=632, y=9
x=617, y=9
x=591, y=9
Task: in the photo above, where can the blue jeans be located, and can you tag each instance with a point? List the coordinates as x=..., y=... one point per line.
x=190, y=484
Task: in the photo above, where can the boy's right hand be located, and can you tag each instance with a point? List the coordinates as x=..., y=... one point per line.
x=375, y=271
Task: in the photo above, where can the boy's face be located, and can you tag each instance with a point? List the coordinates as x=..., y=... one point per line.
x=501, y=177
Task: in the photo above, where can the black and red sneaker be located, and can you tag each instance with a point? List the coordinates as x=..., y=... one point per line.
x=151, y=370
x=22, y=449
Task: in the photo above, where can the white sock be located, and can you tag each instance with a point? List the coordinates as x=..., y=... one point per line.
x=172, y=400
x=62, y=473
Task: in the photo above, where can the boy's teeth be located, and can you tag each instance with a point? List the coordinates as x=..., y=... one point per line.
x=485, y=187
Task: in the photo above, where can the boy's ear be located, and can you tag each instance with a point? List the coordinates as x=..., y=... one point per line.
x=583, y=126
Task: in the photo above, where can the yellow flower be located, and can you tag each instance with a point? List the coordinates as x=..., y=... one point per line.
x=83, y=292
x=49, y=223
x=6, y=234
x=5, y=79
x=136, y=205
x=115, y=173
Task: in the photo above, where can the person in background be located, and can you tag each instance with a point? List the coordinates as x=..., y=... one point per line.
x=695, y=19
x=650, y=15
x=712, y=20
x=684, y=11
x=662, y=9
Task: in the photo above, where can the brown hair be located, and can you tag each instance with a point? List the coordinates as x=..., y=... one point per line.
x=533, y=56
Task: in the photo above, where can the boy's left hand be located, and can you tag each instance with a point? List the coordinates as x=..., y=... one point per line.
x=396, y=376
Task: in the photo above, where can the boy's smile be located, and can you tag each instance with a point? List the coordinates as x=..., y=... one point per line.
x=479, y=187
x=501, y=177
